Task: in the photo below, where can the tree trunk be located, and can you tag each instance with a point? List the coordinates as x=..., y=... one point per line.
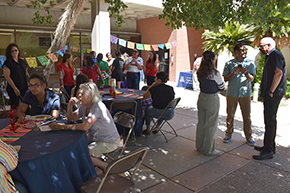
x=63, y=29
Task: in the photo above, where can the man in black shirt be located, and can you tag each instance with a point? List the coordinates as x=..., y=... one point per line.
x=273, y=87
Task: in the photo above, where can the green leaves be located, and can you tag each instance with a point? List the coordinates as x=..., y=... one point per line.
x=39, y=19
x=228, y=37
x=114, y=9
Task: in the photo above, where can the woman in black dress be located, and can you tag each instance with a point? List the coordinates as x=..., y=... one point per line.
x=117, y=69
x=15, y=71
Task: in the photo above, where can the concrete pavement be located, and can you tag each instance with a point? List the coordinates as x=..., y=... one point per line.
x=176, y=166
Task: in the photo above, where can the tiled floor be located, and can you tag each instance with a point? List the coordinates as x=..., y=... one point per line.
x=176, y=166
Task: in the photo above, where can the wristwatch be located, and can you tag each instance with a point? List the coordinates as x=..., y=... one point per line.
x=247, y=74
x=271, y=92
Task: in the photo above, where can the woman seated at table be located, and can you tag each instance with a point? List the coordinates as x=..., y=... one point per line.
x=97, y=122
x=161, y=95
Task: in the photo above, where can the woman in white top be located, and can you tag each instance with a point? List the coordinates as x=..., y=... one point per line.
x=103, y=136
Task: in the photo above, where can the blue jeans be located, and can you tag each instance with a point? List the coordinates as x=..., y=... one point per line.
x=133, y=80
x=152, y=112
x=68, y=89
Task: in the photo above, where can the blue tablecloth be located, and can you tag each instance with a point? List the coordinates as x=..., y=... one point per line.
x=54, y=161
x=185, y=80
x=139, y=117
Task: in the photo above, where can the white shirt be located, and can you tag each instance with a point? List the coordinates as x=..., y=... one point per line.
x=133, y=66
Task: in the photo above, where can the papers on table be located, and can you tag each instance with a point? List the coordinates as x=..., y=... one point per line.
x=45, y=126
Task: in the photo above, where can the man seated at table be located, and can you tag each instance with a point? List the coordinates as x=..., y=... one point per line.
x=40, y=99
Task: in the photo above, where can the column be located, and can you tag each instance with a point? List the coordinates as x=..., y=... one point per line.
x=101, y=28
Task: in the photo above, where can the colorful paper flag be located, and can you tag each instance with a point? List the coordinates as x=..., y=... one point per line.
x=168, y=45
x=122, y=42
x=43, y=60
x=155, y=48
x=174, y=44
x=130, y=45
x=59, y=52
x=85, y=50
x=147, y=47
x=52, y=57
x=75, y=49
x=63, y=49
x=2, y=60
x=114, y=39
x=161, y=46
x=32, y=63
x=139, y=46
x=89, y=50
x=66, y=47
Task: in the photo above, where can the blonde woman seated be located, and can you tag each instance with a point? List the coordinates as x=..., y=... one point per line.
x=102, y=133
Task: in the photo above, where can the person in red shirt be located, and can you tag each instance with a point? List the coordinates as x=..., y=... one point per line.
x=92, y=70
x=65, y=72
x=151, y=67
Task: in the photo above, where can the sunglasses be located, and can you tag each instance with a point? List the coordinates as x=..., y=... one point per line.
x=262, y=46
x=244, y=49
x=88, y=86
x=14, y=50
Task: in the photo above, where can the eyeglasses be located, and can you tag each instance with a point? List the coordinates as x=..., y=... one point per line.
x=34, y=85
x=244, y=49
x=14, y=50
x=262, y=46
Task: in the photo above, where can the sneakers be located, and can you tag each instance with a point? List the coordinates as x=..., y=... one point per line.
x=214, y=153
x=227, y=139
x=251, y=142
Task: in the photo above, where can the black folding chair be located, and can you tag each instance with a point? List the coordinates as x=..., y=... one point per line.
x=170, y=105
x=124, y=119
x=110, y=181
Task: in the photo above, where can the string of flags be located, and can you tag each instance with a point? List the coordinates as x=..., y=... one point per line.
x=138, y=46
x=45, y=59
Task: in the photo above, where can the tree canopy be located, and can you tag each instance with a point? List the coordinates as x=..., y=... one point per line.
x=273, y=15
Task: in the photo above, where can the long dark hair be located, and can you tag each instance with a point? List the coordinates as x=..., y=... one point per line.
x=90, y=61
x=162, y=76
x=154, y=58
x=80, y=79
x=207, y=66
x=99, y=57
x=8, y=51
x=65, y=57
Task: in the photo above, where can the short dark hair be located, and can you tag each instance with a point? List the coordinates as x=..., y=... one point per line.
x=92, y=52
x=117, y=53
x=40, y=77
x=162, y=76
x=238, y=45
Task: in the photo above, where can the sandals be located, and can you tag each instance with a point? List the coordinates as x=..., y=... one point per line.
x=146, y=132
x=155, y=130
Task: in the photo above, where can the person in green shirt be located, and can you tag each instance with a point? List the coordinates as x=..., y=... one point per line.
x=105, y=70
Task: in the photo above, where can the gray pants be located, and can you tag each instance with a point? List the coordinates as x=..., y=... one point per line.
x=208, y=110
